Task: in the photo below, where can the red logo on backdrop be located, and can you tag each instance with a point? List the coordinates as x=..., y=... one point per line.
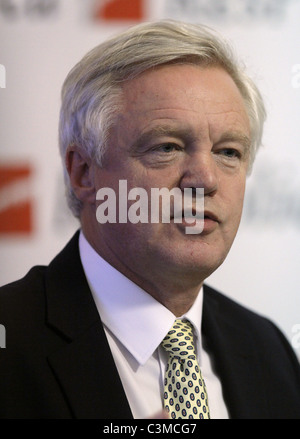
x=15, y=201
x=112, y=10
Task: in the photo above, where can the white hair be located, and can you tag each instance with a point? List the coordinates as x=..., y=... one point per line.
x=92, y=91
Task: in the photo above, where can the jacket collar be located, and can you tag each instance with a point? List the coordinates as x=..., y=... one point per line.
x=68, y=295
x=234, y=354
x=90, y=391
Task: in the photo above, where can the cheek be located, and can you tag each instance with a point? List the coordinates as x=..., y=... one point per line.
x=233, y=196
x=235, y=189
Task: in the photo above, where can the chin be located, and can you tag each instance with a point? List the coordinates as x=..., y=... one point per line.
x=194, y=263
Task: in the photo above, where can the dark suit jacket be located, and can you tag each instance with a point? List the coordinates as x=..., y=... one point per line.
x=57, y=362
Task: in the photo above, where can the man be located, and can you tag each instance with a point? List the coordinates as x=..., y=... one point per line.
x=163, y=105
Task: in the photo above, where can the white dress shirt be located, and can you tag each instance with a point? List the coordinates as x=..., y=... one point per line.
x=135, y=325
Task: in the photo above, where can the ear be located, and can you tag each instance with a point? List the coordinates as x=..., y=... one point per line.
x=81, y=171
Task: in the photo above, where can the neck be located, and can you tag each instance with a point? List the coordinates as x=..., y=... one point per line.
x=175, y=288
x=178, y=302
x=176, y=293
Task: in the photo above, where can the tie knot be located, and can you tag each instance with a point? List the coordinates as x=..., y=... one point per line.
x=179, y=341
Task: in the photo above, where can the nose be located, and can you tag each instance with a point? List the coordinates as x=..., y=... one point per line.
x=200, y=171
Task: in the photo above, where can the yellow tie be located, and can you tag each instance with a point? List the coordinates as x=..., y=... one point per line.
x=185, y=394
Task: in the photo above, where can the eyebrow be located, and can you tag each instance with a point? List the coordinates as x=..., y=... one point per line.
x=185, y=134
x=162, y=130
x=236, y=136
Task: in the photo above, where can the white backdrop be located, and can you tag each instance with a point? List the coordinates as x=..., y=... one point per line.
x=40, y=40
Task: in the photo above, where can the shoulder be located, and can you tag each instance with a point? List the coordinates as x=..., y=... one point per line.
x=23, y=294
x=259, y=329
x=231, y=309
x=22, y=304
x=18, y=293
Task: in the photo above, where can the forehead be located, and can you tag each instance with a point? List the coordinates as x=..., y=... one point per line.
x=183, y=94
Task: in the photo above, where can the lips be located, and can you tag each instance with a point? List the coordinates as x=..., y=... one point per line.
x=202, y=224
x=193, y=214
x=211, y=216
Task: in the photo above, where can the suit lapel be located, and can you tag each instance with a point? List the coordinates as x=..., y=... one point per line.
x=86, y=372
x=84, y=367
x=235, y=359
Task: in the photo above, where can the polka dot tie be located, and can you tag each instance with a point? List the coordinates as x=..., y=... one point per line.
x=185, y=394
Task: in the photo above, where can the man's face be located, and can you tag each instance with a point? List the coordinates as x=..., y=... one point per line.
x=182, y=126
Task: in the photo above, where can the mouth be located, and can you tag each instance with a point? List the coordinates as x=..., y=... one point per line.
x=196, y=222
x=196, y=216
x=211, y=216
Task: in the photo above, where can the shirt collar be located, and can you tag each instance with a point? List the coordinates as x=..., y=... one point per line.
x=135, y=318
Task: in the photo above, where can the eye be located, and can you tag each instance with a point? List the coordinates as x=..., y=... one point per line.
x=230, y=153
x=168, y=147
